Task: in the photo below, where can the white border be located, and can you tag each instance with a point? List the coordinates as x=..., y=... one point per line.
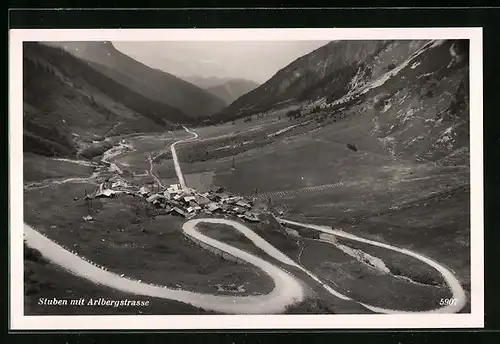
x=20, y=322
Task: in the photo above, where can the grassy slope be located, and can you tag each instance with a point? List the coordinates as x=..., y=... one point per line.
x=376, y=176
x=46, y=280
x=367, y=284
x=317, y=300
x=36, y=168
x=127, y=237
x=67, y=104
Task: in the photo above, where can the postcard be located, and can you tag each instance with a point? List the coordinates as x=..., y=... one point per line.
x=246, y=178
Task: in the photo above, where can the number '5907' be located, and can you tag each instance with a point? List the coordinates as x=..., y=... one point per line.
x=447, y=302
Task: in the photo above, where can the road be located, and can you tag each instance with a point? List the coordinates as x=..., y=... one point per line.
x=287, y=290
x=51, y=182
x=450, y=279
x=177, y=166
x=152, y=174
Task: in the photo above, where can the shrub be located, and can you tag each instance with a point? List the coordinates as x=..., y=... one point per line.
x=308, y=306
x=293, y=113
x=95, y=150
x=316, y=109
x=38, y=145
x=32, y=254
x=352, y=147
x=381, y=102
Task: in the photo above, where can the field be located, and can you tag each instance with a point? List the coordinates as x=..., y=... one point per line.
x=46, y=280
x=37, y=168
x=306, y=168
x=366, y=283
x=416, y=205
x=128, y=237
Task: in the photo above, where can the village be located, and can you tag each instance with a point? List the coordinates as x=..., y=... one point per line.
x=185, y=202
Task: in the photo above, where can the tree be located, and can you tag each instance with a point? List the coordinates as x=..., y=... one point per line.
x=88, y=200
x=352, y=147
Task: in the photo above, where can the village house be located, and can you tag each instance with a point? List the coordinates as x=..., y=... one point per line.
x=213, y=207
x=201, y=200
x=105, y=193
x=239, y=210
x=243, y=204
x=188, y=199
x=144, y=191
x=188, y=202
x=251, y=217
x=179, y=211
x=214, y=197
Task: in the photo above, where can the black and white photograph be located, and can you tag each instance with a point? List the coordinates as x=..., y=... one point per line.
x=246, y=173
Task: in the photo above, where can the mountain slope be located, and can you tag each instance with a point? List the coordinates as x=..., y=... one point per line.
x=231, y=90
x=67, y=104
x=409, y=99
x=149, y=82
x=412, y=98
x=205, y=82
x=303, y=73
x=419, y=109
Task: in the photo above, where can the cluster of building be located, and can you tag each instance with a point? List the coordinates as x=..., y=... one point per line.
x=186, y=202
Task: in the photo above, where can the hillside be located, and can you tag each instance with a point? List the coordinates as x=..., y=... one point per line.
x=408, y=97
x=231, y=90
x=67, y=104
x=149, y=82
x=205, y=82
x=418, y=108
x=334, y=60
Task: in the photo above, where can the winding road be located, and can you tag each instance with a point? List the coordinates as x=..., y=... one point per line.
x=287, y=290
x=178, y=170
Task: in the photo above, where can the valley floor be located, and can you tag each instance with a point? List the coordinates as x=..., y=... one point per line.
x=304, y=173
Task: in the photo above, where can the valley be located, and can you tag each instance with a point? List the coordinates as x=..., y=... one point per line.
x=362, y=204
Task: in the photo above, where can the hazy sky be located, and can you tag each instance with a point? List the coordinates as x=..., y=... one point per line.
x=251, y=60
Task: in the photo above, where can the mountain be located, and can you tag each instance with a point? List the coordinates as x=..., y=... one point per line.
x=335, y=60
x=409, y=97
x=147, y=81
x=232, y=89
x=413, y=98
x=227, y=89
x=205, y=82
x=68, y=103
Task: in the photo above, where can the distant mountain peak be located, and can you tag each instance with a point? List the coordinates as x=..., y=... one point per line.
x=227, y=89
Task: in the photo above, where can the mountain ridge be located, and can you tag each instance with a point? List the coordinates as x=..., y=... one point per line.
x=290, y=81
x=399, y=93
x=232, y=89
x=150, y=82
x=68, y=103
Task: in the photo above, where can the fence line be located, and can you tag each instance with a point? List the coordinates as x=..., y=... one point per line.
x=285, y=193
